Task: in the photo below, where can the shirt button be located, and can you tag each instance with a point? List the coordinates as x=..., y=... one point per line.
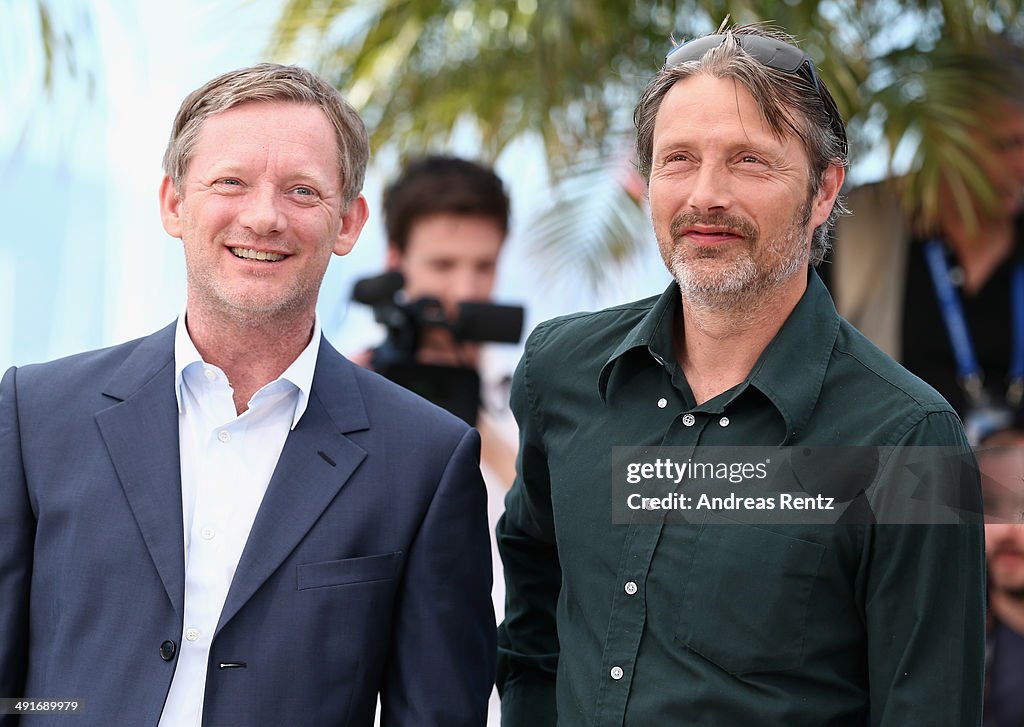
x=616, y=673
x=210, y=374
x=724, y=421
x=630, y=587
x=224, y=435
x=689, y=420
x=662, y=403
x=208, y=533
x=191, y=634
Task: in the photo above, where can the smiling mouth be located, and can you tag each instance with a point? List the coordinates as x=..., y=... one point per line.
x=247, y=254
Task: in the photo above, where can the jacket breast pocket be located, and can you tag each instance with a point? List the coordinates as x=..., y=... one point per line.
x=348, y=571
x=745, y=601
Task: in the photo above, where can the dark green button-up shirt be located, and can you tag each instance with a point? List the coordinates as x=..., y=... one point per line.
x=722, y=625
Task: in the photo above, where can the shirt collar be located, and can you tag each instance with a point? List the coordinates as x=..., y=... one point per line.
x=651, y=333
x=792, y=368
x=789, y=371
x=299, y=373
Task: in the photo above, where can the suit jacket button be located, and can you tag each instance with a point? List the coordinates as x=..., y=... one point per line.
x=167, y=650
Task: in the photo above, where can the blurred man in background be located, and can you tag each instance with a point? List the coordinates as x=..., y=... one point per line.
x=447, y=220
x=1001, y=460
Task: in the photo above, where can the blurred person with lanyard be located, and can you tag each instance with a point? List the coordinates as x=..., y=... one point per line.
x=945, y=297
x=702, y=622
x=227, y=522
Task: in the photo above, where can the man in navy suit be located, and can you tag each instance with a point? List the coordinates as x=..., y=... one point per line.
x=228, y=523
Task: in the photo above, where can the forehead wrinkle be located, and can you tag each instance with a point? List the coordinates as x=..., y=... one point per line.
x=757, y=135
x=270, y=140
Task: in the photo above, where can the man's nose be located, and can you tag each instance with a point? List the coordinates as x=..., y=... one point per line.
x=466, y=285
x=709, y=189
x=262, y=213
x=998, y=533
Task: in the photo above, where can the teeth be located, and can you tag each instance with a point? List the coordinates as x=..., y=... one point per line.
x=247, y=254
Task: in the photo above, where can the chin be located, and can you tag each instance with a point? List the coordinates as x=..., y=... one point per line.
x=713, y=276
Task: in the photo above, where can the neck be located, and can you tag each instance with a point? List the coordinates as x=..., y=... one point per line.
x=1008, y=608
x=250, y=354
x=979, y=248
x=720, y=344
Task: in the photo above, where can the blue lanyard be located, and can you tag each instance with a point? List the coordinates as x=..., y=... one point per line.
x=968, y=370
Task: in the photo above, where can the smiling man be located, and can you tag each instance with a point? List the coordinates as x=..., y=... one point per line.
x=730, y=618
x=227, y=522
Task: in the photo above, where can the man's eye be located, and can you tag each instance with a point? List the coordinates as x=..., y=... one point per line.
x=305, y=192
x=228, y=182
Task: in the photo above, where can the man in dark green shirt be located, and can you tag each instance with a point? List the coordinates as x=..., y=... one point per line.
x=775, y=623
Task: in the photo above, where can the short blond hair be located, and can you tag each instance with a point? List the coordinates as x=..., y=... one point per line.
x=270, y=82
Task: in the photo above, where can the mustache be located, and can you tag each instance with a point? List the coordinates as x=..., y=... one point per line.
x=733, y=224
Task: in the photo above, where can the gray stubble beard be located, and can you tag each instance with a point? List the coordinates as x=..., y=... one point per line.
x=742, y=284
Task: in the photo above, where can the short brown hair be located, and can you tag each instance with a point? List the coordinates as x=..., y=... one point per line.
x=270, y=82
x=437, y=184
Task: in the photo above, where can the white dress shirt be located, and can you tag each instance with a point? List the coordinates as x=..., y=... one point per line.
x=227, y=461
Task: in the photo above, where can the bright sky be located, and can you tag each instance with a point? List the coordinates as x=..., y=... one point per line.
x=87, y=262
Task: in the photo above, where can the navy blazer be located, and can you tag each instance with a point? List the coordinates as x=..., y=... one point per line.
x=367, y=568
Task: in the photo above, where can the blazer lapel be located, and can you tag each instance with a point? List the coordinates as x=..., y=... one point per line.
x=141, y=434
x=314, y=466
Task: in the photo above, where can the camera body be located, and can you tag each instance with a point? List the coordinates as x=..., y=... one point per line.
x=455, y=388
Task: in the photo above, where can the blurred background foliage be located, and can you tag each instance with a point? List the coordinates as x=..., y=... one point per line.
x=58, y=48
x=59, y=69
x=914, y=79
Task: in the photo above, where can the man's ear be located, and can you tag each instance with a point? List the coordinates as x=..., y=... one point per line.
x=170, y=207
x=352, y=222
x=393, y=260
x=831, y=184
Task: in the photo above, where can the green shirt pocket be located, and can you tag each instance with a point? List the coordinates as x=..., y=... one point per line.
x=746, y=598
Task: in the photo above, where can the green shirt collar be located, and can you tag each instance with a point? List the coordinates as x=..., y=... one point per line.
x=789, y=371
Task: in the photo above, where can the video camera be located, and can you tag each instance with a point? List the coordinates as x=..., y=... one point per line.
x=456, y=388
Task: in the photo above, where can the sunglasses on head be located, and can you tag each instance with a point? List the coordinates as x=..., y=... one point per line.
x=767, y=51
x=770, y=52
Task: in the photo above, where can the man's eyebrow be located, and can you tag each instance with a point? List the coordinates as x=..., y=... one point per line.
x=306, y=175
x=222, y=167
